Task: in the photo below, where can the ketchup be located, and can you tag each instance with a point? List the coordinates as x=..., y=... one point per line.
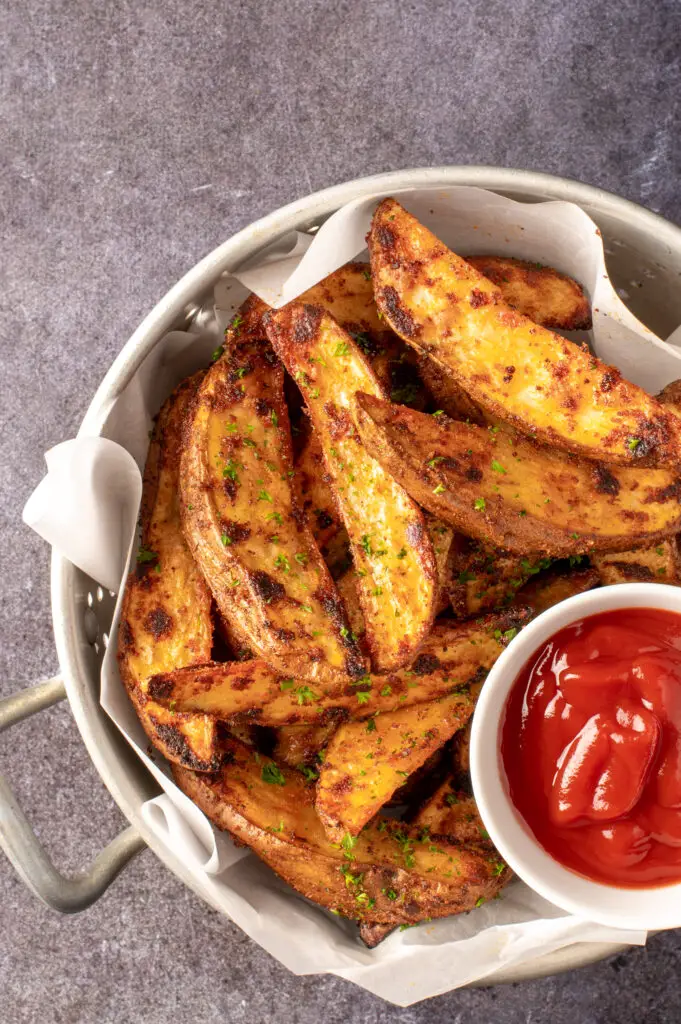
x=591, y=746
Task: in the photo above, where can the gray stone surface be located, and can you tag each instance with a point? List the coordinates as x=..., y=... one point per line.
x=136, y=136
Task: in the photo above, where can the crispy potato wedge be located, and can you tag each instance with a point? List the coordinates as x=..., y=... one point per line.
x=452, y=812
x=315, y=498
x=372, y=933
x=461, y=757
x=658, y=564
x=484, y=577
x=442, y=537
x=551, y=588
x=503, y=489
x=298, y=745
x=452, y=656
x=539, y=292
x=243, y=526
x=518, y=371
x=391, y=549
x=166, y=620
x=389, y=874
x=366, y=762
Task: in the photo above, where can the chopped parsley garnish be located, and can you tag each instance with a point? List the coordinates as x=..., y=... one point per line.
x=226, y=540
x=272, y=774
x=286, y=684
x=265, y=496
x=451, y=799
x=282, y=562
x=439, y=412
x=371, y=725
x=402, y=553
x=301, y=558
x=342, y=349
x=497, y=467
x=363, y=697
x=305, y=694
x=146, y=555
x=230, y=471
x=440, y=489
x=386, y=691
x=309, y=773
x=479, y=504
x=366, y=544
x=633, y=443
x=434, y=461
x=276, y=516
x=274, y=418
x=217, y=353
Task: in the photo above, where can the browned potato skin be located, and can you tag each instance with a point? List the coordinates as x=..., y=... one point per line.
x=533, y=498
x=391, y=549
x=541, y=293
x=166, y=620
x=279, y=824
x=658, y=564
x=515, y=369
x=452, y=656
x=362, y=769
x=448, y=395
x=551, y=588
x=244, y=528
x=461, y=757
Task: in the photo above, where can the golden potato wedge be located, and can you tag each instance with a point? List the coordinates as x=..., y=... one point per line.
x=461, y=757
x=551, y=588
x=243, y=526
x=657, y=564
x=539, y=292
x=503, y=489
x=298, y=745
x=515, y=369
x=391, y=549
x=452, y=812
x=442, y=537
x=452, y=656
x=372, y=933
x=386, y=872
x=485, y=577
x=165, y=619
x=365, y=762
x=315, y=498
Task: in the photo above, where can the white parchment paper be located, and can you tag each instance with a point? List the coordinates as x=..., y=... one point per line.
x=87, y=506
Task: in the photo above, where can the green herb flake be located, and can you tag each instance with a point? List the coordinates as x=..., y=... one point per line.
x=146, y=555
x=272, y=774
x=226, y=540
x=305, y=694
x=371, y=725
x=265, y=496
x=402, y=553
x=440, y=489
x=497, y=467
x=342, y=349
x=282, y=562
x=479, y=504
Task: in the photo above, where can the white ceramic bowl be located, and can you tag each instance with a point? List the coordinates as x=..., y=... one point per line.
x=650, y=908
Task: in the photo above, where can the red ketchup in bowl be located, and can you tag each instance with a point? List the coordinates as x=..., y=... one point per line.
x=591, y=747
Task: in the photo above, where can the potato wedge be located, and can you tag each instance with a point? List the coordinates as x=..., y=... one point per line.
x=315, y=498
x=391, y=549
x=386, y=872
x=165, y=619
x=442, y=538
x=243, y=526
x=366, y=762
x=504, y=490
x=452, y=812
x=658, y=564
x=551, y=588
x=539, y=292
x=298, y=745
x=484, y=577
x=516, y=370
x=449, y=396
x=452, y=656
x=461, y=757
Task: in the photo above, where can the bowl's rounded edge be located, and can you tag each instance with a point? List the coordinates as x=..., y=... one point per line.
x=120, y=770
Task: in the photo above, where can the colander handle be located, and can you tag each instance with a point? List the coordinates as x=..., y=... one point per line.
x=20, y=843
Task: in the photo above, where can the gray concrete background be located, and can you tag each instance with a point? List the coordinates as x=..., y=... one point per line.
x=135, y=137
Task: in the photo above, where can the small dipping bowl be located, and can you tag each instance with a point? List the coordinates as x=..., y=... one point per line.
x=650, y=908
